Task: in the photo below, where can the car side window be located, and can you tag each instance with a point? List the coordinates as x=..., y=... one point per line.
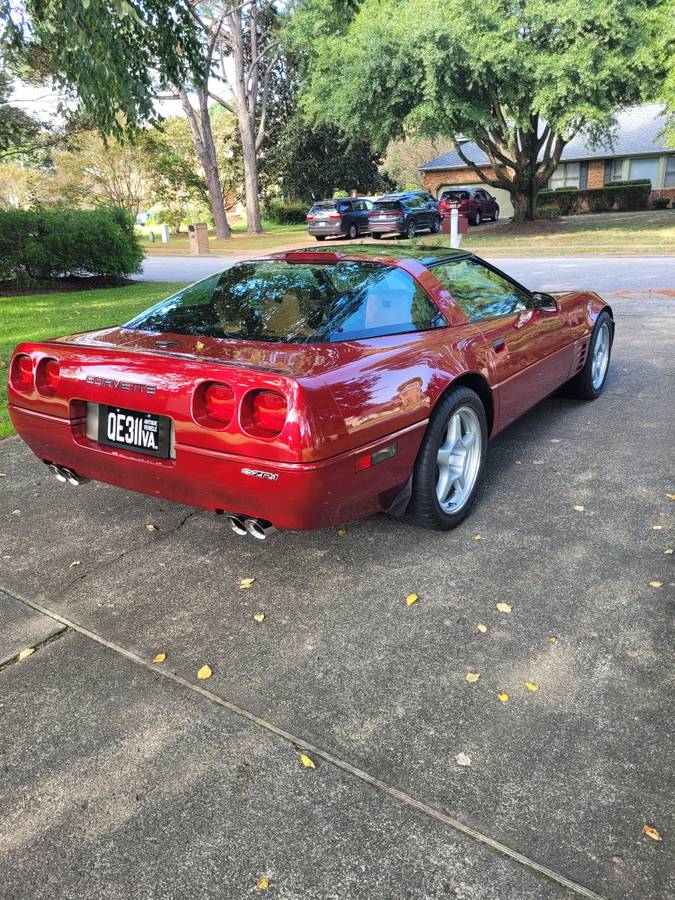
x=481, y=292
x=344, y=207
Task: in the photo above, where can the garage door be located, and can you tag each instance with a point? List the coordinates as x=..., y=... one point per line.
x=502, y=197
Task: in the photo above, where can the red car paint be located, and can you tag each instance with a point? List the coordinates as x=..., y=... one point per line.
x=345, y=400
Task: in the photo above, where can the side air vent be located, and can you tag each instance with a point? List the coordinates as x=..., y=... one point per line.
x=582, y=357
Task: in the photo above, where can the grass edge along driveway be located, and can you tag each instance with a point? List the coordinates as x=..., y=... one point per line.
x=35, y=317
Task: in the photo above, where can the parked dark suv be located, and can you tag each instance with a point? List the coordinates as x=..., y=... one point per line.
x=339, y=218
x=475, y=203
x=403, y=213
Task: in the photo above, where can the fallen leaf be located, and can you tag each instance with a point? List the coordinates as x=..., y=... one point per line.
x=669, y=551
x=478, y=537
x=307, y=761
x=531, y=686
x=657, y=527
x=670, y=496
x=246, y=583
x=552, y=639
x=410, y=599
x=472, y=677
x=632, y=654
x=151, y=527
x=159, y=658
x=259, y=617
x=204, y=672
x=503, y=697
x=655, y=584
x=75, y=562
x=342, y=532
x=463, y=759
x=26, y=653
x=262, y=884
x=580, y=508
x=504, y=607
x=480, y=629
x=651, y=833
x=200, y=345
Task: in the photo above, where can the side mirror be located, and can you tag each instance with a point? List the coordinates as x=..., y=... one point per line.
x=545, y=302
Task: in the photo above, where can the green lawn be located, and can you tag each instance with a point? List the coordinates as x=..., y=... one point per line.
x=274, y=236
x=38, y=316
x=651, y=232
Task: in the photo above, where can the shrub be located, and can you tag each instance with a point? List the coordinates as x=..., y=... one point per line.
x=287, y=213
x=548, y=211
x=623, y=195
x=661, y=202
x=48, y=244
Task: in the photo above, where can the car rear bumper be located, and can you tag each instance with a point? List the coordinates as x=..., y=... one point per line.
x=296, y=496
x=386, y=227
x=329, y=230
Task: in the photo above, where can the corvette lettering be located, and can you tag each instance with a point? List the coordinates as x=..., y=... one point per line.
x=257, y=473
x=130, y=387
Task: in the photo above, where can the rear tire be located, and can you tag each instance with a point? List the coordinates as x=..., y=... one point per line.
x=450, y=462
x=436, y=227
x=352, y=232
x=320, y=237
x=477, y=218
x=411, y=230
x=376, y=236
x=495, y=218
x=590, y=382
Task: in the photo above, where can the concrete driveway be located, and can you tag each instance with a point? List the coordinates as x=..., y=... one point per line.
x=121, y=778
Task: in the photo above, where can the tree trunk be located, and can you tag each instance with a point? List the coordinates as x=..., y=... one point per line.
x=524, y=199
x=253, y=218
x=205, y=149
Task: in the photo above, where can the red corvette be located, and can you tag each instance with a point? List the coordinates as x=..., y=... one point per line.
x=311, y=388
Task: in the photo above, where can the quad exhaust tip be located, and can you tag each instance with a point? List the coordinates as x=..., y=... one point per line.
x=67, y=476
x=257, y=528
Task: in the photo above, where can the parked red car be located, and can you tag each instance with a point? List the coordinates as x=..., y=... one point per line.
x=474, y=203
x=310, y=388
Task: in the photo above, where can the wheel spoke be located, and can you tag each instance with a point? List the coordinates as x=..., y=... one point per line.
x=443, y=484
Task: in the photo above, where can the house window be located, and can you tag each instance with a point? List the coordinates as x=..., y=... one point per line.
x=566, y=175
x=613, y=170
x=669, y=180
x=644, y=168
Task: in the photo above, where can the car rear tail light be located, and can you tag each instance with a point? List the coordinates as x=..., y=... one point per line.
x=309, y=217
x=334, y=216
x=21, y=375
x=268, y=411
x=219, y=402
x=47, y=376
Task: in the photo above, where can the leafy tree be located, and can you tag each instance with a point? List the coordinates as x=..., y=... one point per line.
x=520, y=79
x=173, y=170
x=107, y=53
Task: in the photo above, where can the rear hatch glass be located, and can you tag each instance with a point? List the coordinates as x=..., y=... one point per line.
x=456, y=196
x=388, y=204
x=289, y=302
x=323, y=208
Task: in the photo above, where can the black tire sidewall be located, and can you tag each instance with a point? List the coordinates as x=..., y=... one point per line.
x=410, y=230
x=424, y=508
x=352, y=228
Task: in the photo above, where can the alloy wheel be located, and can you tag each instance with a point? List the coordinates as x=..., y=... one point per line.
x=600, y=356
x=458, y=460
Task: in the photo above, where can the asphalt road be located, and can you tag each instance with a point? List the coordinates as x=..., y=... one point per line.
x=124, y=779
x=604, y=274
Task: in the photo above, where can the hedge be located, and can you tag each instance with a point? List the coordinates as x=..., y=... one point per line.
x=41, y=245
x=623, y=195
x=287, y=213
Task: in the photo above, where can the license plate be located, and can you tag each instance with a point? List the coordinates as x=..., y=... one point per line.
x=322, y=224
x=138, y=431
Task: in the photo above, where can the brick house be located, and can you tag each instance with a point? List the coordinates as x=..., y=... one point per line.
x=639, y=151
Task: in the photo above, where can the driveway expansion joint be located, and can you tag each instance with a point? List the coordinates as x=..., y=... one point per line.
x=299, y=744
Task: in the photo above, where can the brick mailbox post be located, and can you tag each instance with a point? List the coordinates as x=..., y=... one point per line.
x=199, y=238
